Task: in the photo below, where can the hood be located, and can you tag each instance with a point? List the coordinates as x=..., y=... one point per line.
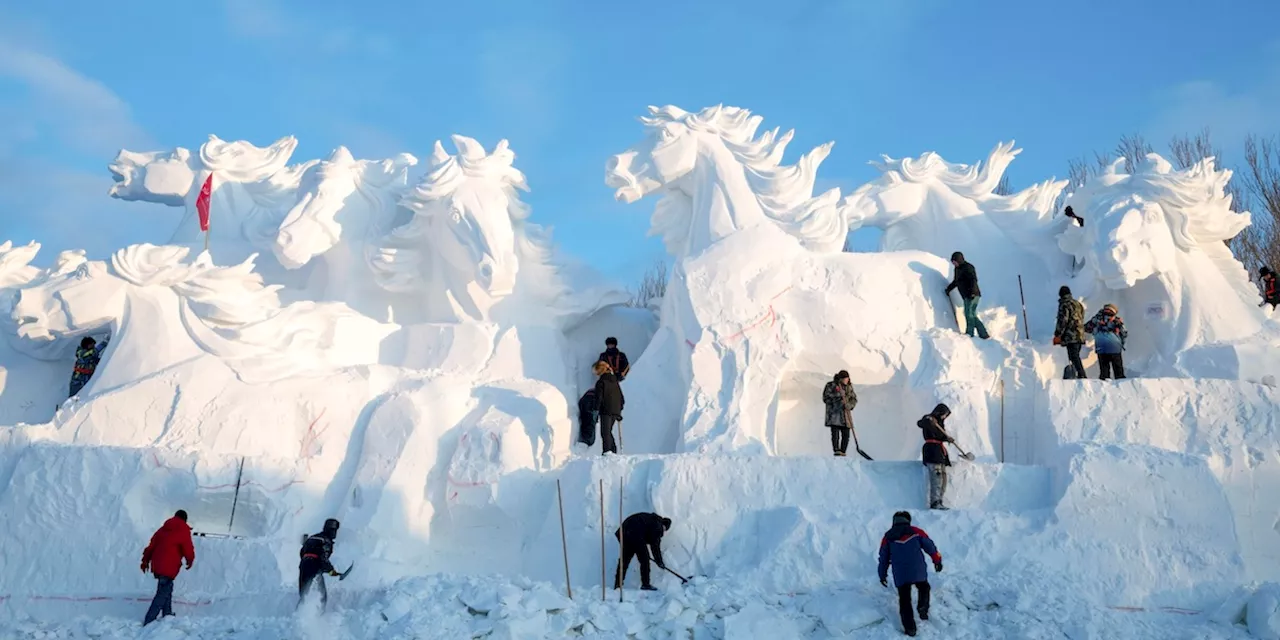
x=941, y=411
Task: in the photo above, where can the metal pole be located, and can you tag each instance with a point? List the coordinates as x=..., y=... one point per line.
x=236, y=498
x=602, y=556
x=564, y=544
x=621, y=533
x=1026, y=328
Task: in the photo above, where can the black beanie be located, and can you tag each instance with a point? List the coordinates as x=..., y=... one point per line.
x=901, y=517
x=957, y=257
x=1064, y=290
x=842, y=374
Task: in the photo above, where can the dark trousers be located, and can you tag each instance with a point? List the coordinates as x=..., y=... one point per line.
x=904, y=604
x=630, y=551
x=839, y=439
x=1073, y=354
x=162, y=604
x=586, y=428
x=1110, y=362
x=311, y=576
x=971, y=321
x=606, y=433
x=77, y=383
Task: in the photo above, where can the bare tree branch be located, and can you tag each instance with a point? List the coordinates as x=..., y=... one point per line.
x=652, y=286
x=1259, y=244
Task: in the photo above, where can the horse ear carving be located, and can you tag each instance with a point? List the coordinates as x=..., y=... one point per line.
x=468, y=148
x=438, y=155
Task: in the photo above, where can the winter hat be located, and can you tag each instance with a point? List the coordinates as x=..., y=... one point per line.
x=666, y=523
x=901, y=517
x=940, y=411
x=87, y=343
x=1265, y=271
x=957, y=257
x=181, y=515
x=331, y=527
x=1064, y=291
x=842, y=374
x=611, y=341
x=1069, y=211
x=1110, y=306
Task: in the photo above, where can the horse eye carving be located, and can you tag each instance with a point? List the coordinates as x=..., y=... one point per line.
x=455, y=214
x=82, y=272
x=665, y=135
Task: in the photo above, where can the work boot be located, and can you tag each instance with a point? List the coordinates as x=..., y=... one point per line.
x=647, y=587
x=910, y=632
x=924, y=614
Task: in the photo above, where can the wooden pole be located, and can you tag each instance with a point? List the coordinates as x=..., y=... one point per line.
x=1026, y=328
x=621, y=533
x=602, y=556
x=564, y=544
x=620, y=447
x=236, y=498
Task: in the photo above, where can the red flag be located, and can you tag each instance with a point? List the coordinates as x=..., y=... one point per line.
x=202, y=203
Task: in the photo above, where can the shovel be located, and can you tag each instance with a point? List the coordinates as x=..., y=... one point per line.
x=848, y=419
x=963, y=453
x=683, y=580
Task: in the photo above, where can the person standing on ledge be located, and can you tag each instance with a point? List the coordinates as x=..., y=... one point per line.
x=934, y=453
x=170, y=545
x=966, y=280
x=617, y=360
x=1069, y=329
x=609, y=403
x=1270, y=294
x=1109, y=336
x=839, y=399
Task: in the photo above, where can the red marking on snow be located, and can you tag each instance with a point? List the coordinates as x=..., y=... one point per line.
x=769, y=316
x=310, y=438
x=228, y=485
x=690, y=343
x=459, y=483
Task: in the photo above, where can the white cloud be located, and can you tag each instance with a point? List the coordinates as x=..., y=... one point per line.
x=1231, y=113
x=79, y=112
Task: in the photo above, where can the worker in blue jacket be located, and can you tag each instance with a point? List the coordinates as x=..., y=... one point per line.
x=904, y=547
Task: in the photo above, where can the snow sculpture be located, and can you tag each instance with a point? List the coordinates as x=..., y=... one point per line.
x=718, y=145
x=929, y=204
x=253, y=187
x=1154, y=244
x=758, y=316
x=343, y=205
x=470, y=250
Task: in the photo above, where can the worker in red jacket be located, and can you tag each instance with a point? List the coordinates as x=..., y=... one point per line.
x=170, y=545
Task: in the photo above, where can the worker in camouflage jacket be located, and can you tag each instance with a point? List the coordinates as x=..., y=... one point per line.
x=1069, y=329
x=840, y=399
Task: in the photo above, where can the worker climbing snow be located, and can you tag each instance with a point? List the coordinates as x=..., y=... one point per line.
x=169, y=546
x=935, y=455
x=87, y=358
x=640, y=535
x=609, y=401
x=901, y=548
x=617, y=360
x=1069, y=330
x=840, y=399
x=966, y=280
x=314, y=562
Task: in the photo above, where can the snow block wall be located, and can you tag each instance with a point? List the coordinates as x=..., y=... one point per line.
x=1230, y=428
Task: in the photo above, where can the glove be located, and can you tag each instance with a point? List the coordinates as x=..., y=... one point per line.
x=937, y=566
x=188, y=566
x=1057, y=340
x=884, y=582
x=334, y=573
x=145, y=567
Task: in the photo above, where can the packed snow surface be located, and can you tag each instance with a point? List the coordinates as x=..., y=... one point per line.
x=399, y=345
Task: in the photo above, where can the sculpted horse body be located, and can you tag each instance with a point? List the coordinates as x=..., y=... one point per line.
x=1154, y=244
x=343, y=207
x=761, y=290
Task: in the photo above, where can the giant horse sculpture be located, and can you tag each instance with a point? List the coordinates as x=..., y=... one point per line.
x=471, y=251
x=929, y=204
x=754, y=250
x=1154, y=244
x=253, y=188
x=343, y=207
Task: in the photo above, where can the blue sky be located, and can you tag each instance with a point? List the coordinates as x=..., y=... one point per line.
x=564, y=82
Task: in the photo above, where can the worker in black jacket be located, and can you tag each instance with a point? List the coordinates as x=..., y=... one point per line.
x=966, y=281
x=640, y=535
x=314, y=562
x=609, y=403
x=616, y=359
